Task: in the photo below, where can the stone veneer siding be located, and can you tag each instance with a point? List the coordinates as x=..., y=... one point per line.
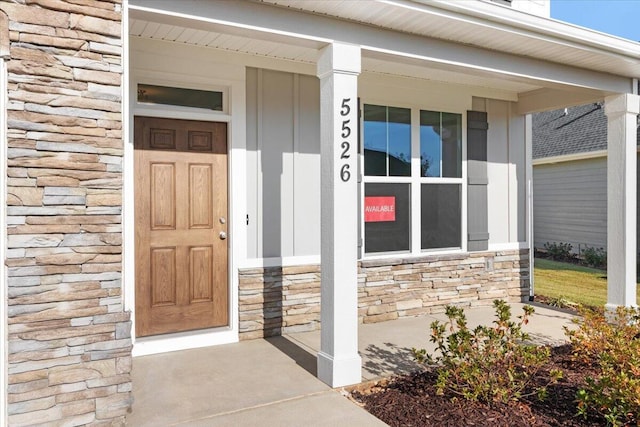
x=69, y=337
x=277, y=300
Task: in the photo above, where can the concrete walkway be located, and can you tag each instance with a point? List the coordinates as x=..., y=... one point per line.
x=272, y=382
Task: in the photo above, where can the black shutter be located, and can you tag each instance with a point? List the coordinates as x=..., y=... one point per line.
x=477, y=204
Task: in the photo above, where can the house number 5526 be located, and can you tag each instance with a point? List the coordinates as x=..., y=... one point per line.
x=345, y=109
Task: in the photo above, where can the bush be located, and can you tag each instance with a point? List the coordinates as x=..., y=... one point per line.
x=595, y=257
x=559, y=251
x=561, y=302
x=613, y=346
x=489, y=363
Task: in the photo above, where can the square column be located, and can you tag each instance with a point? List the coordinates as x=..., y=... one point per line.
x=621, y=112
x=339, y=363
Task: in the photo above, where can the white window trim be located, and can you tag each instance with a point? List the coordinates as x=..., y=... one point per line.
x=415, y=180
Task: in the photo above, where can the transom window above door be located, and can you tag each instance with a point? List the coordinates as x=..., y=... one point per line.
x=412, y=179
x=180, y=97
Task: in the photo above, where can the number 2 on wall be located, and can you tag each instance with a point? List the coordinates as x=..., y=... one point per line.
x=345, y=109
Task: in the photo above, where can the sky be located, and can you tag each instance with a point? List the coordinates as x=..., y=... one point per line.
x=618, y=17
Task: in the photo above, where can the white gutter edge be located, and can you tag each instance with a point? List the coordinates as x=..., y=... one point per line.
x=541, y=25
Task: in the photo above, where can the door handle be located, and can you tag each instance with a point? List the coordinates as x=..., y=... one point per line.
x=223, y=235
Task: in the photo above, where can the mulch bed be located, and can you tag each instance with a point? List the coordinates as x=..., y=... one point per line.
x=411, y=400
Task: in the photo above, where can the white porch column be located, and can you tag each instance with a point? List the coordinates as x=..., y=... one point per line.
x=338, y=361
x=621, y=112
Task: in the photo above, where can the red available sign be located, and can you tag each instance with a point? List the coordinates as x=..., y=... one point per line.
x=379, y=209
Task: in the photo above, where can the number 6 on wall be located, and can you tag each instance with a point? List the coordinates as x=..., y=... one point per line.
x=345, y=175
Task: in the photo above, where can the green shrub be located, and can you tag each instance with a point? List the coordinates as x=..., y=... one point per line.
x=612, y=344
x=559, y=251
x=561, y=302
x=489, y=363
x=595, y=257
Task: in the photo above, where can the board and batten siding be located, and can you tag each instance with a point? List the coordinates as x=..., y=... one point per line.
x=506, y=160
x=283, y=164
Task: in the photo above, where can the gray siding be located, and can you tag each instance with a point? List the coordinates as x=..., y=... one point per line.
x=570, y=203
x=283, y=164
x=506, y=174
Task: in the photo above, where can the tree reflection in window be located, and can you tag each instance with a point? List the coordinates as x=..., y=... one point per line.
x=387, y=141
x=440, y=144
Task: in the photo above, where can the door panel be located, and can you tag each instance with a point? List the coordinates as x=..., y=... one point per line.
x=163, y=196
x=163, y=276
x=201, y=274
x=181, y=209
x=200, y=192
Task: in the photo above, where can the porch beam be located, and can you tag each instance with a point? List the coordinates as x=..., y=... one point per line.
x=338, y=361
x=553, y=99
x=621, y=111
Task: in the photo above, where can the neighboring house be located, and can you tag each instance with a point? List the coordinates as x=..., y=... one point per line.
x=570, y=177
x=189, y=173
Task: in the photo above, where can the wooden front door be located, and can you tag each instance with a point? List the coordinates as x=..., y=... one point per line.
x=181, y=221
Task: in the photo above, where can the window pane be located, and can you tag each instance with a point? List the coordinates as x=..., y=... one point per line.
x=451, y=145
x=211, y=100
x=441, y=221
x=399, y=141
x=387, y=141
x=430, y=144
x=387, y=217
x=375, y=140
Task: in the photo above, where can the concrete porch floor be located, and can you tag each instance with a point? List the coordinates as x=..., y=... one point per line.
x=272, y=382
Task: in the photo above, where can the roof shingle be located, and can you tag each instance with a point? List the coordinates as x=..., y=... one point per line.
x=579, y=129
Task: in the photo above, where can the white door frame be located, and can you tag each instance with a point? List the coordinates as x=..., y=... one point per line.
x=234, y=115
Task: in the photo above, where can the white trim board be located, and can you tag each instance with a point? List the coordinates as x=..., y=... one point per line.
x=183, y=341
x=513, y=246
x=293, y=261
x=570, y=157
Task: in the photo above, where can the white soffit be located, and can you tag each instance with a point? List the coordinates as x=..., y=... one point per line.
x=197, y=34
x=387, y=66
x=488, y=25
x=177, y=30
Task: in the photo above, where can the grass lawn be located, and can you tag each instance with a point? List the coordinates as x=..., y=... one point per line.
x=574, y=283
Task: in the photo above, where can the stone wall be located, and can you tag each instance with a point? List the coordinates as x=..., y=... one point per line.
x=69, y=338
x=393, y=288
x=278, y=300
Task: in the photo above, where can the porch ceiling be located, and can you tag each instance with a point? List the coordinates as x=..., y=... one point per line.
x=291, y=50
x=222, y=39
x=505, y=53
